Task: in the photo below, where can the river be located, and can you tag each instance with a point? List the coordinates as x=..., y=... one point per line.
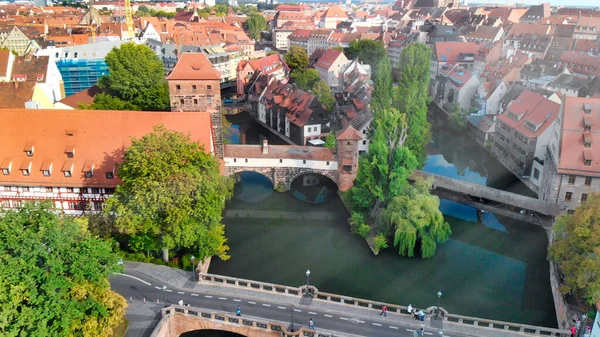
x=496, y=269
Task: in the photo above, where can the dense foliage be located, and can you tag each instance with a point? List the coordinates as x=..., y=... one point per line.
x=322, y=92
x=135, y=80
x=305, y=79
x=296, y=58
x=54, y=277
x=576, y=250
x=412, y=97
x=330, y=141
x=382, y=192
x=368, y=51
x=255, y=24
x=172, y=196
x=458, y=118
x=145, y=11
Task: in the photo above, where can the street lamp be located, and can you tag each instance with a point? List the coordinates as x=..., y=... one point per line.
x=164, y=288
x=193, y=269
x=307, y=278
x=439, y=295
x=292, y=328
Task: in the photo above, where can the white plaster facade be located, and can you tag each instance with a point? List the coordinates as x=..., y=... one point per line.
x=331, y=75
x=282, y=162
x=281, y=38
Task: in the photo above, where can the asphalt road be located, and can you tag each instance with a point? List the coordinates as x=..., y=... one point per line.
x=139, y=286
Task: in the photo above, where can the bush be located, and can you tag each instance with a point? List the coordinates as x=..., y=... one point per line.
x=280, y=188
x=174, y=263
x=364, y=230
x=186, y=262
x=356, y=220
x=159, y=261
x=380, y=242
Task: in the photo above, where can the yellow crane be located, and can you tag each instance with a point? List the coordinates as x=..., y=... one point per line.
x=129, y=19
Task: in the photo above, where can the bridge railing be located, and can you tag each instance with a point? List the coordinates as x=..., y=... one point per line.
x=457, y=320
x=241, y=321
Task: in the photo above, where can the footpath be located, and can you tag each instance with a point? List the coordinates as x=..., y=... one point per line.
x=179, y=279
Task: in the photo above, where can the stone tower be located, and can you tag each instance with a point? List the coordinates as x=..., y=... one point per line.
x=194, y=86
x=347, y=156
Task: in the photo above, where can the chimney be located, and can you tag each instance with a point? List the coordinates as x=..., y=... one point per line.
x=265, y=147
x=16, y=85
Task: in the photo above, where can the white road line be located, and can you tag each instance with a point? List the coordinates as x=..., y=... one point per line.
x=344, y=318
x=207, y=296
x=427, y=333
x=169, y=290
x=250, y=302
x=394, y=327
x=298, y=310
x=312, y=313
x=328, y=316
x=236, y=300
x=278, y=307
x=181, y=292
x=157, y=287
x=376, y=324
x=195, y=294
x=135, y=278
x=359, y=321
x=223, y=298
x=266, y=305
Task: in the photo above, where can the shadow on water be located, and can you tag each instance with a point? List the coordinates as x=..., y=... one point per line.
x=495, y=269
x=210, y=333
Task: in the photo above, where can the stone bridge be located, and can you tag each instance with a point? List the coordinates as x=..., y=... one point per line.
x=282, y=164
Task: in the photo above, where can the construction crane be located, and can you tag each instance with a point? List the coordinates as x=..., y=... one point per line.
x=129, y=19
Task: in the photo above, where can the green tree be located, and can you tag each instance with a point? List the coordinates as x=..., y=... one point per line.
x=136, y=75
x=255, y=24
x=54, y=277
x=576, y=250
x=305, y=79
x=415, y=217
x=368, y=51
x=383, y=92
x=296, y=58
x=458, y=118
x=103, y=101
x=322, y=91
x=412, y=97
x=330, y=141
x=173, y=192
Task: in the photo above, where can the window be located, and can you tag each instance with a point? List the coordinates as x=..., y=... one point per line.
x=571, y=180
x=70, y=189
x=280, y=161
x=348, y=143
x=587, y=162
x=304, y=162
x=5, y=171
x=364, y=131
x=209, y=101
x=68, y=174
x=110, y=175
x=5, y=203
x=536, y=173
x=88, y=174
x=177, y=87
x=181, y=101
x=246, y=160
x=209, y=87
x=25, y=172
x=46, y=173
x=234, y=160
x=309, y=128
x=584, y=197
x=195, y=101
x=588, y=181
x=364, y=142
x=72, y=205
x=29, y=153
x=95, y=190
x=97, y=205
x=568, y=196
x=49, y=189
x=109, y=190
x=193, y=87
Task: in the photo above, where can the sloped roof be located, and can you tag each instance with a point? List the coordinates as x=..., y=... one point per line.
x=13, y=95
x=348, y=133
x=194, y=66
x=327, y=60
x=83, y=97
x=334, y=12
x=4, y=55
x=32, y=67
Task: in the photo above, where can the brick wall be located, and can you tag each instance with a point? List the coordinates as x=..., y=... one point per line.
x=194, y=95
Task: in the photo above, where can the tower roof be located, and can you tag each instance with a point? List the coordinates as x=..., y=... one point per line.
x=349, y=133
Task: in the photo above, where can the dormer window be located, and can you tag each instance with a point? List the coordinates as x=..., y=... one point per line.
x=47, y=167
x=110, y=175
x=6, y=166
x=67, y=168
x=88, y=169
x=70, y=151
x=587, y=109
x=28, y=150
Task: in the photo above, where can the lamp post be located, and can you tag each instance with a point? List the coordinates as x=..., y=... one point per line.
x=439, y=295
x=292, y=328
x=307, y=279
x=193, y=269
x=164, y=288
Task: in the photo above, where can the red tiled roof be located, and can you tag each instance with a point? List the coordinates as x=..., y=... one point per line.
x=13, y=95
x=533, y=109
x=83, y=97
x=581, y=63
x=194, y=66
x=327, y=60
x=33, y=67
x=4, y=55
x=349, y=133
x=334, y=12
x=450, y=51
x=573, y=153
x=98, y=137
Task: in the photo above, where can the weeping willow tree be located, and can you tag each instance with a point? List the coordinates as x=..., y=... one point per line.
x=415, y=218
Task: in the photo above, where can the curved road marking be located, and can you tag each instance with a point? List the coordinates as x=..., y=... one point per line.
x=135, y=278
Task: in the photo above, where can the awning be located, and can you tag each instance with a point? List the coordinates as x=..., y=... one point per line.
x=316, y=142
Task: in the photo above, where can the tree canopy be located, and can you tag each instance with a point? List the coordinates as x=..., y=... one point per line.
x=305, y=79
x=172, y=192
x=382, y=97
x=54, y=277
x=255, y=24
x=322, y=91
x=368, y=51
x=411, y=97
x=136, y=76
x=296, y=58
x=576, y=249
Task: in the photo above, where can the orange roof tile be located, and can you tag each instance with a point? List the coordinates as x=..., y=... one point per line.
x=98, y=138
x=83, y=97
x=327, y=60
x=13, y=95
x=194, y=66
x=4, y=55
x=349, y=133
x=334, y=12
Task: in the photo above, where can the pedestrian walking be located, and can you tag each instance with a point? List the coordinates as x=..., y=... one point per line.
x=573, y=331
x=409, y=309
x=415, y=333
x=311, y=324
x=422, y=330
x=238, y=311
x=383, y=311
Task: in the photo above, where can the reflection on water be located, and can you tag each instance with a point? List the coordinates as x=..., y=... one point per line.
x=210, y=333
x=252, y=187
x=313, y=188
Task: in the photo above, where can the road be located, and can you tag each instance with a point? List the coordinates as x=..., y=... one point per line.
x=139, y=286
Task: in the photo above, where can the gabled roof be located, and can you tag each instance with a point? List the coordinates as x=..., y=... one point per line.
x=31, y=68
x=349, y=133
x=329, y=58
x=13, y=95
x=334, y=12
x=194, y=66
x=452, y=51
x=83, y=97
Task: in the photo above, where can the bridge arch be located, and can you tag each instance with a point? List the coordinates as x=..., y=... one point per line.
x=267, y=172
x=332, y=175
